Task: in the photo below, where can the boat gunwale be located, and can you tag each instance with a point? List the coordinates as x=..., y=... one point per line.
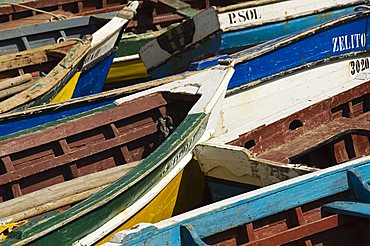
x=195, y=218
x=264, y=48
x=296, y=69
x=111, y=93
x=316, y=11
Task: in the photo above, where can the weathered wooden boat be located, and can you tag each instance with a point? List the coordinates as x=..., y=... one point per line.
x=328, y=131
x=274, y=131
x=328, y=207
x=162, y=124
x=12, y=123
x=202, y=37
x=127, y=65
x=15, y=13
x=320, y=126
x=63, y=195
x=57, y=198
x=58, y=72
x=232, y=117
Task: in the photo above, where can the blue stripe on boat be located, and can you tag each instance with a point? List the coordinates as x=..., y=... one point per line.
x=13, y=125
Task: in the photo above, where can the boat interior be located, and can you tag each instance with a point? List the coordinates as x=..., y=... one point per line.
x=78, y=147
x=19, y=71
x=24, y=39
x=149, y=16
x=304, y=225
x=328, y=133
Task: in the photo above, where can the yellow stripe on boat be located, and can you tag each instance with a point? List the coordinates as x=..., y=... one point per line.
x=126, y=70
x=8, y=227
x=67, y=91
x=161, y=207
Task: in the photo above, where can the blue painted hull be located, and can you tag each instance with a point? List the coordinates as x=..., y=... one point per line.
x=92, y=80
x=20, y=123
x=242, y=39
x=222, y=43
x=310, y=49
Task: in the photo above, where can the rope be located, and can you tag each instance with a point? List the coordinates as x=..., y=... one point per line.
x=54, y=17
x=127, y=13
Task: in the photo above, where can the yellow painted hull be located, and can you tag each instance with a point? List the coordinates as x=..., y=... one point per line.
x=66, y=92
x=126, y=70
x=161, y=207
x=183, y=193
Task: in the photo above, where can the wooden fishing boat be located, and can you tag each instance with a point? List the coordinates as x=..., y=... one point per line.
x=241, y=82
x=328, y=207
x=58, y=72
x=299, y=134
x=13, y=124
x=152, y=20
x=243, y=79
x=61, y=196
x=17, y=35
x=276, y=98
x=320, y=134
x=272, y=130
x=162, y=124
x=207, y=34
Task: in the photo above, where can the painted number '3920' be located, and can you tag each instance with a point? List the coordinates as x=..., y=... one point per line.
x=359, y=65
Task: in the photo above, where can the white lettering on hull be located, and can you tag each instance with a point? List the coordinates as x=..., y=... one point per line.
x=348, y=42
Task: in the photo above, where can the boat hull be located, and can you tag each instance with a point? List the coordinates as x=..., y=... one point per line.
x=226, y=42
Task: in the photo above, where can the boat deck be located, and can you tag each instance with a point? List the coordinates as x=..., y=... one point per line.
x=337, y=133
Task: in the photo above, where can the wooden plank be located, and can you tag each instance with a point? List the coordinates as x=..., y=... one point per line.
x=303, y=231
x=72, y=167
x=88, y=123
x=50, y=81
x=46, y=197
x=124, y=150
x=76, y=155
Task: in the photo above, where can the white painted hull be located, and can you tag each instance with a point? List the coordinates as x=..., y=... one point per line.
x=241, y=18
x=269, y=102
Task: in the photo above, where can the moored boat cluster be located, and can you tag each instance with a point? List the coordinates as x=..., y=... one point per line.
x=182, y=122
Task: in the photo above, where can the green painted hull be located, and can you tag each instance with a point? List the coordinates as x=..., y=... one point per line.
x=71, y=225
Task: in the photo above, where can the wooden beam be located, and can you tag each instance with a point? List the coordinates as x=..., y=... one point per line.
x=62, y=194
x=303, y=231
